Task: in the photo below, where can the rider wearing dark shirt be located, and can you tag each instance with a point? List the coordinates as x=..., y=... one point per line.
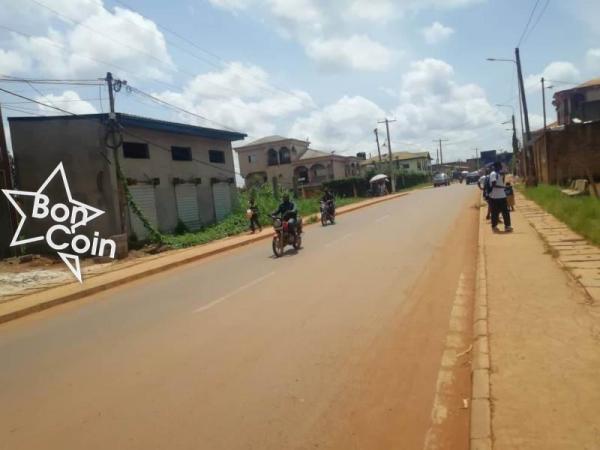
x=287, y=210
x=329, y=199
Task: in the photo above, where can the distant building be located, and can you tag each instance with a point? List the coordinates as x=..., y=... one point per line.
x=292, y=162
x=417, y=162
x=579, y=104
x=7, y=215
x=175, y=172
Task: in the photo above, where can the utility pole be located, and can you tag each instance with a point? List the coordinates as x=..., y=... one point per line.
x=387, y=129
x=440, y=144
x=116, y=141
x=544, y=102
x=477, y=157
x=530, y=169
x=377, y=140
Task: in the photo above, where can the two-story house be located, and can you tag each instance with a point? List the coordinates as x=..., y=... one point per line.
x=415, y=162
x=581, y=103
x=292, y=162
x=175, y=172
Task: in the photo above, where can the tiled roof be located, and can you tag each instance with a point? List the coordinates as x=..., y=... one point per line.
x=312, y=153
x=268, y=140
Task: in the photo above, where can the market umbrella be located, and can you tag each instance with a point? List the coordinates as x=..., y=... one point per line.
x=378, y=178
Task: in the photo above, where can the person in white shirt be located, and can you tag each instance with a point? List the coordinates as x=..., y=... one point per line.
x=497, y=196
x=481, y=185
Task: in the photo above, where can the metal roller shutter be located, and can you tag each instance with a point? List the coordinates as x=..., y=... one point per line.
x=222, y=199
x=187, y=205
x=143, y=196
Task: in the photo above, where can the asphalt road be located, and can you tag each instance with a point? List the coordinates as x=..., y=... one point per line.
x=338, y=346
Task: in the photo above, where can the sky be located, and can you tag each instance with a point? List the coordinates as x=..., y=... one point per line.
x=324, y=70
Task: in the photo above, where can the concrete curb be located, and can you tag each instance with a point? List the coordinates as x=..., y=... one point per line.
x=481, y=418
x=40, y=301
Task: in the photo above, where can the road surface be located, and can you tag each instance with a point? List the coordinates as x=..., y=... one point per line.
x=353, y=343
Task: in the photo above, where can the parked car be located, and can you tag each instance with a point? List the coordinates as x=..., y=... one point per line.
x=472, y=177
x=441, y=179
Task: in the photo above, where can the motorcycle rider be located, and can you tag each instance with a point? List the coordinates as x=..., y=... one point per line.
x=329, y=201
x=287, y=210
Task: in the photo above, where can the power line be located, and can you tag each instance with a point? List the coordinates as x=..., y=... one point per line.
x=208, y=52
x=528, y=22
x=38, y=102
x=116, y=66
x=78, y=22
x=12, y=108
x=177, y=108
x=8, y=78
x=24, y=102
x=167, y=64
x=539, y=17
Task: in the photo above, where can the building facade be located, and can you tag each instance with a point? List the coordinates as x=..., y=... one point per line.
x=175, y=172
x=579, y=104
x=292, y=163
x=415, y=162
x=565, y=153
x=7, y=215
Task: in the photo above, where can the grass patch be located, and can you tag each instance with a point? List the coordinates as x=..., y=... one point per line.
x=237, y=223
x=581, y=214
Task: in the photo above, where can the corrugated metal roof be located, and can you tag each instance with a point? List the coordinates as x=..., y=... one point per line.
x=146, y=123
x=400, y=156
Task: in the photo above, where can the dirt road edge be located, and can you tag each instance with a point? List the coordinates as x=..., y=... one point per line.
x=481, y=418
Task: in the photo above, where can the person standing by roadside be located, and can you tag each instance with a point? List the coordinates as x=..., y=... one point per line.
x=510, y=196
x=497, y=196
x=253, y=215
x=483, y=185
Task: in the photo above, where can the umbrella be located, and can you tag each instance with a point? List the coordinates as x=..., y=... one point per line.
x=378, y=178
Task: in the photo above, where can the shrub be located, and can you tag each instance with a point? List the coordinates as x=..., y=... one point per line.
x=349, y=187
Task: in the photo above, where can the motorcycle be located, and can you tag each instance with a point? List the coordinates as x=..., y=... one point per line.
x=327, y=213
x=284, y=236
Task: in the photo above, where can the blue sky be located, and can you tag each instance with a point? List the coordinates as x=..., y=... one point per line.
x=316, y=69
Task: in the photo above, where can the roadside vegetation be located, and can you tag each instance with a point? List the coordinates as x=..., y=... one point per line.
x=237, y=223
x=581, y=214
x=347, y=191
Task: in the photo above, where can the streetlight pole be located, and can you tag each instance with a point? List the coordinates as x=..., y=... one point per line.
x=544, y=102
x=387, y=129
x=529, y=168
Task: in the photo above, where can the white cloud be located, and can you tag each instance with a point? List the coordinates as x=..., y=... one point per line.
x=561, y=71
x=12, y=62
x=339, y=34
x=340, y=126
x=68, y=100
x=592, y=59
x=240, y=97
x=121, y=38
x=358, y=52
x=230, y=4
x=436, y=33
x=373, y=10
x=431, y=104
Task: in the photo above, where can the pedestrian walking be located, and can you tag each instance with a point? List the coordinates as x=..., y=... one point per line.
x=510, y=196
x=253, y=215
x=497, y=196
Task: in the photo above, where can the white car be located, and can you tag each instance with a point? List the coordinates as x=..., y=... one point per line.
x=441, y=179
